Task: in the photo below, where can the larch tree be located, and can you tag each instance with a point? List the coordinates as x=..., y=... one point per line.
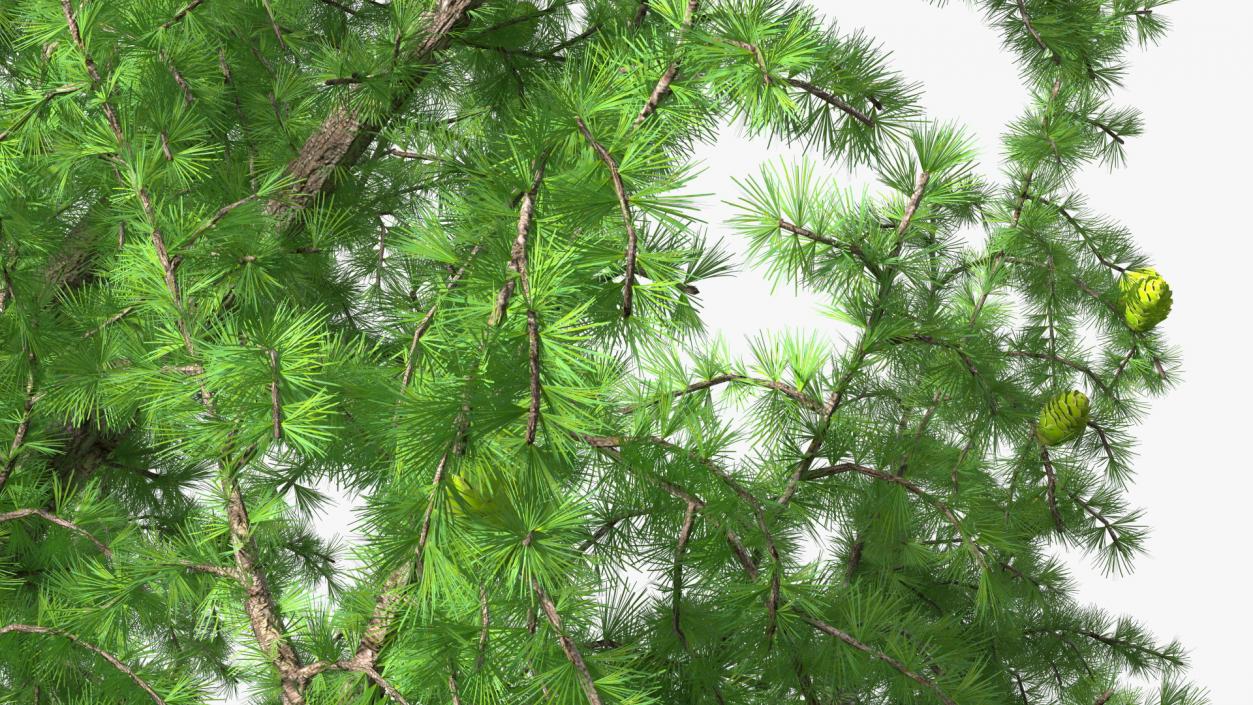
x=442, y=255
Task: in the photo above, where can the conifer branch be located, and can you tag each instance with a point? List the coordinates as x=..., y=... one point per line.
x=532, y=335
x=676, y=593
x=1076, y=366
x=518, y=256
x=259, y=603
x=832, y=100
x=624, y=205
x=158, y=239
x=485, y=621
x=1050, y=476
x=1105, y=444
x=29, y=113
x=662, y=89
x=178, y=16
x=343, y=136
x=63, y=523
x=786, y=389
x=940, y=505
x=754, y=52
x=112, y=660
x=1035, y=35
x=879, y=655
x=837, y=396
x=19, y=436
x=851, y=247
x=276, y=403
x=586, y=682
x=429, y=317
x=385, y=604
x=1080, y=229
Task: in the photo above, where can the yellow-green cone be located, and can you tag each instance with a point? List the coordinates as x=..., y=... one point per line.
x=1063, y=418
x=1146, y=298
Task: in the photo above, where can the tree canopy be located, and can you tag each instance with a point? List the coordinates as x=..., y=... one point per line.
x=442, y=255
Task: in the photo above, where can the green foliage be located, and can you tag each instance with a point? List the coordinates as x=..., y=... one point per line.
x=442, y=256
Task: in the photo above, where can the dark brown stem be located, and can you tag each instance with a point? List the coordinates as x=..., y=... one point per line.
x=851, y=247
x=28, y=114
x=790, y=391
x=19, y=436
x=278, y=32
x=837, y=396
x=259, y=603
x=624, y=205
x=1087, y=371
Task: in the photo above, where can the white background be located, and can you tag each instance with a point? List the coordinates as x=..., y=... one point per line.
x=1184, y=194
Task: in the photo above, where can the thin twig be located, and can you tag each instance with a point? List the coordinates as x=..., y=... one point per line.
x=425, y=323
x=532, y=335
x=178, y=16
x=586, y=682
x=110, y=658
x=832, y=100
x=624, y=205
x=63, y=523
x=517, y=256
x=1051, y=488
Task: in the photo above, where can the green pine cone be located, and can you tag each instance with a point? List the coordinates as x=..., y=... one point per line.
x=1146, y=298
x=1063, y=418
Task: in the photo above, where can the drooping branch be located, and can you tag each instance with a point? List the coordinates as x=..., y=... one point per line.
x=1050, y=476
x=571, y=650
x=112, y=660
x=517, y=256
x=676, y=593
x=1078, y=367
x=940, y=505
x=662, y=89
x=54, y=519
x=1035, y=35
x=624, y=205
